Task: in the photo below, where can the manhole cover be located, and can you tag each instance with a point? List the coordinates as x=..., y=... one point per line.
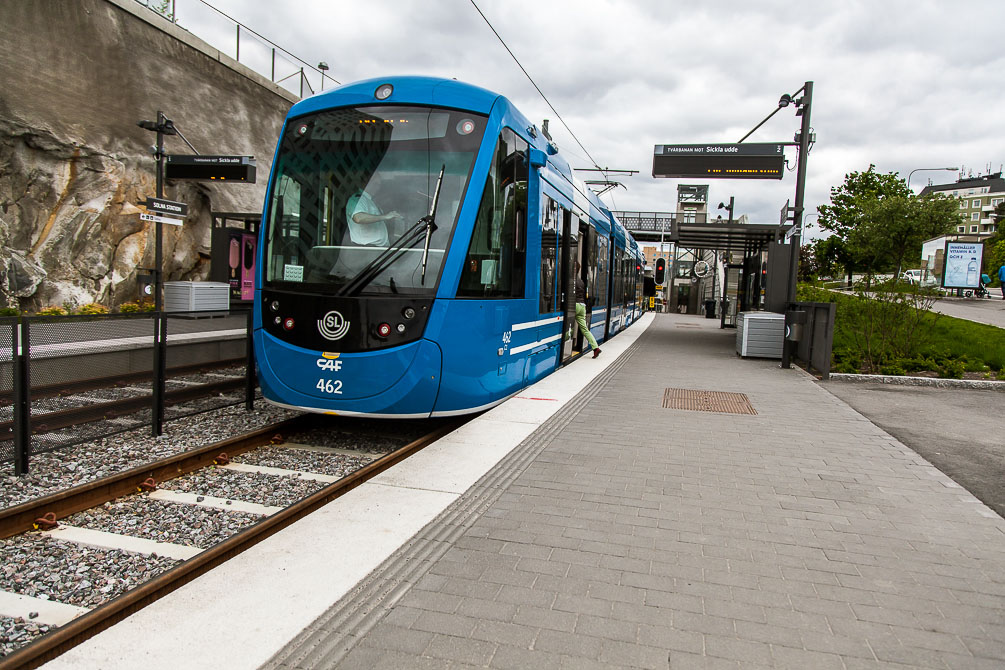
x=707, y=401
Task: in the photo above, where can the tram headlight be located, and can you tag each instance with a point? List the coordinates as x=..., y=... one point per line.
x=401, y=328
x=288, y=323
x=384, y=329
x=408, y=313
x=383, y=91
x=274, y=305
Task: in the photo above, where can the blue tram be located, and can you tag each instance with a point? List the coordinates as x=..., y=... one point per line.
x=419, y=242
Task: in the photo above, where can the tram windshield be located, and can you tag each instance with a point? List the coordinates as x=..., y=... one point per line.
x=350, y=191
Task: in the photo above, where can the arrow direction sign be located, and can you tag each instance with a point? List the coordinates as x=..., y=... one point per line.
x=167, y=207
x=160, y=219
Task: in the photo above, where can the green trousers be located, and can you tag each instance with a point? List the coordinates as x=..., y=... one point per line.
x=581, y=320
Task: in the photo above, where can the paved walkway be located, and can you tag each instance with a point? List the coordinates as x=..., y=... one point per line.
x=982, y=310
x=624, y=534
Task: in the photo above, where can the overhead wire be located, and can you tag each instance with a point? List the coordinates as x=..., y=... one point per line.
x=531, y=79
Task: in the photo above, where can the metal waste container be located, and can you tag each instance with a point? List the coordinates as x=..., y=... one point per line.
x=710, y=309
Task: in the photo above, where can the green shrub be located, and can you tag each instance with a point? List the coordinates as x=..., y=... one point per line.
x=952, y=370
x=9, y=311
x=52, y=310
x=893, y=368
x=129, y=307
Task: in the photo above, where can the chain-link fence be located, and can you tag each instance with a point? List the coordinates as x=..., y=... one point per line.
x=65, y=380
x=8, y=347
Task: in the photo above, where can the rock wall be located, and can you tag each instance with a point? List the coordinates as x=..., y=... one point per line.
x=74, y=164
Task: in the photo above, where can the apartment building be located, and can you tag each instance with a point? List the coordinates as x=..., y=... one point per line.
x=978, y=198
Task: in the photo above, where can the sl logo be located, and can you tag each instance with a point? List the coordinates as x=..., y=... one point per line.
x=333, y=326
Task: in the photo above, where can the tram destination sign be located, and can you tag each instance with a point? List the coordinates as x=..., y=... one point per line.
x=757, y=160
x=210, y=168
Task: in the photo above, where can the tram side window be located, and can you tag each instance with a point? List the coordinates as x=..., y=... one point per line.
x=603, y=256
x=496, y=262
x=549, y=256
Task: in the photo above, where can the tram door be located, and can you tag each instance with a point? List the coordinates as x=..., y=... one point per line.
x=567, y=290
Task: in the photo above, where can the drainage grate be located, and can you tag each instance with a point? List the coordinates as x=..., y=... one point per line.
x=707, y=401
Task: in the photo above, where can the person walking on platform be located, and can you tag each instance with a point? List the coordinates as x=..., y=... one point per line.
x=1001, y=279
x=581, y=313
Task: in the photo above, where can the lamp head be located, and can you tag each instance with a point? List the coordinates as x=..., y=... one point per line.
x=785, y=100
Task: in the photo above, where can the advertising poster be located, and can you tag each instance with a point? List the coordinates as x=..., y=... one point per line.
x=963, y=264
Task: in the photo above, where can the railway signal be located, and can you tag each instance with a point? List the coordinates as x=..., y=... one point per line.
x=661, y=271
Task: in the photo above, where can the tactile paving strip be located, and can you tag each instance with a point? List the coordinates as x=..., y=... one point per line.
x=708, y=401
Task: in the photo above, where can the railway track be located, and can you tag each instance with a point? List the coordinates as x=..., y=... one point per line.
x=87, y=410
x=186, y=479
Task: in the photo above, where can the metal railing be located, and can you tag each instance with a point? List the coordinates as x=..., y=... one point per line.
x=302, y=70
x=65, y=380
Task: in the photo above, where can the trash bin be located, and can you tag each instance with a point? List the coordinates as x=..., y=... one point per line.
x=794, y=322
x=710, y=309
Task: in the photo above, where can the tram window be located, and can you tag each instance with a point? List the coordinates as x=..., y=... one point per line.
x=603, y=254
x=496, y=262
x=549, y=255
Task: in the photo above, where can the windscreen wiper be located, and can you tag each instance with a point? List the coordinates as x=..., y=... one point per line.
x=430, y=225
x=407, y=240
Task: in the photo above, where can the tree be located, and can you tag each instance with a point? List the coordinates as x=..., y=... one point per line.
x=894, y=228
x=880, y=222
x=994, y=246
x=831, y=255
x=846, y=212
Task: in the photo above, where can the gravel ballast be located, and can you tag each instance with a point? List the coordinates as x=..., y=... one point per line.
x=279, y=491
x=63, y=468
x=40, y=566
x=16, y=632
x=139, y=516
x=334, y=465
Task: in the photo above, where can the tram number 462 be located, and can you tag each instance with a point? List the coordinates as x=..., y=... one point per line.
x=330, y=386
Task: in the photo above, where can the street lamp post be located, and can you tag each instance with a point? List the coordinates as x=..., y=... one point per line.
x=951, y=169
x=323, y=66
x=728, y=208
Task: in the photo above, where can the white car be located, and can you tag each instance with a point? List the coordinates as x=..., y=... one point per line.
x=911, y=276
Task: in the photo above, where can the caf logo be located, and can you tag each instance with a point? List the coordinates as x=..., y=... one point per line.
x=333, y=326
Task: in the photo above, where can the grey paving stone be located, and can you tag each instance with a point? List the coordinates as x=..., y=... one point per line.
x=568, y=644
x=518, y=658
x=802, y=537
x=461, y=650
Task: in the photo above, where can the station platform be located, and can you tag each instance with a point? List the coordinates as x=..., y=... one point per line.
x=667, y=504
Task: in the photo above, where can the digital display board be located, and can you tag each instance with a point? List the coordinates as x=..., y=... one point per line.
x=210, y=168
x=963, y=264
x=720, y=161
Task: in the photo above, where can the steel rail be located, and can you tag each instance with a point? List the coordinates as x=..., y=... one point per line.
x=21, y=518
x=88, y=625
x=68, y=418
x=113, y=381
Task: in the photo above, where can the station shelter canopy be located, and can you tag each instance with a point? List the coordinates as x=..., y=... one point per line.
x=745, y=238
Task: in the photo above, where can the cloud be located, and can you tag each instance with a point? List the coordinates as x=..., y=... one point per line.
x=901, y=83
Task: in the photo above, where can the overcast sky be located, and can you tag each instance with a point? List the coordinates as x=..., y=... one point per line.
x=903, y=84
